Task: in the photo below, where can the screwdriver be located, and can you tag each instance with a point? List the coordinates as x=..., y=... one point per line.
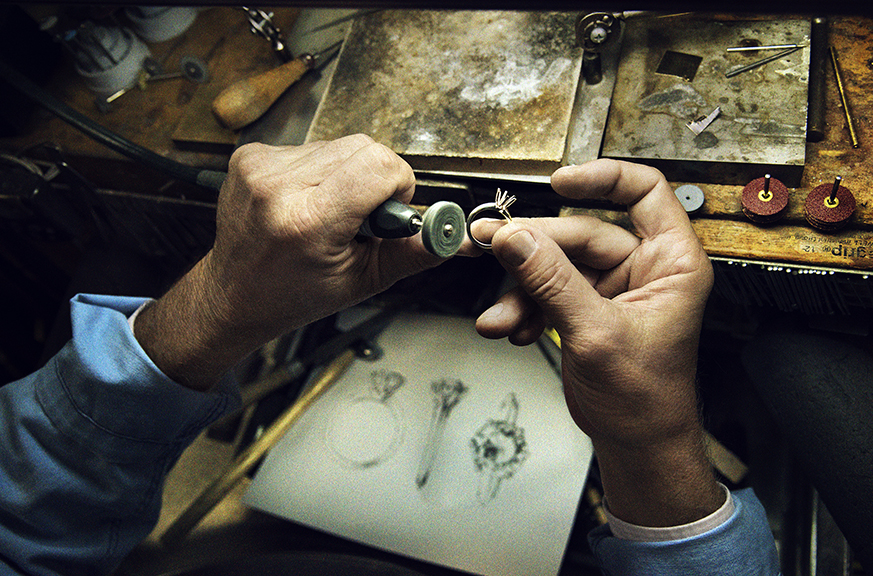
x=242, y=103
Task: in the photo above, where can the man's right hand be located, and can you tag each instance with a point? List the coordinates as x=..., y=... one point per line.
x=286, y=253
x=628, y=310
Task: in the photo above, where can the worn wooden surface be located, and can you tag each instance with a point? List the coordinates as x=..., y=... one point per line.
x=221, y=36
x=725, y=231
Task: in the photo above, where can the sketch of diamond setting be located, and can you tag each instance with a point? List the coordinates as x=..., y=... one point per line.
x=499, y=450
x=446, y=395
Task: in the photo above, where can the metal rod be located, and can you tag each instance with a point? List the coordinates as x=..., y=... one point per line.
x=766, y=184
x=842, y=91
x=836, y=187
x=753, y=48
x=818, y=63
x=761, y=62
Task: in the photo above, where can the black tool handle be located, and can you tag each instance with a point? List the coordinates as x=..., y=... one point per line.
x=818, y=61
x=392, y=219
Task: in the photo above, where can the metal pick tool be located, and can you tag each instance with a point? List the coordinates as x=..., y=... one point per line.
x=190, y=68
x=761, y=62
x=756, y=48
x=851, y=123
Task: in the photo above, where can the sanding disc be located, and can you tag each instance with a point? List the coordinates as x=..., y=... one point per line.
x=765, y=207
x=442, y=228
x=825, y=215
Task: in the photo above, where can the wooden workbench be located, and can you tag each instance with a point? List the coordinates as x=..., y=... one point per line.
x=221, y=37
x=153, y=117
x=726, y=232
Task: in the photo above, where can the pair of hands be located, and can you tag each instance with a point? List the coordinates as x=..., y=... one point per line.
x=628, y=309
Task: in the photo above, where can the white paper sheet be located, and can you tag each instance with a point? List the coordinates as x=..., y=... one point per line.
x=487, y=480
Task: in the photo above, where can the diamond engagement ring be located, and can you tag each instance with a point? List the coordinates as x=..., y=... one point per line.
x=501, y=204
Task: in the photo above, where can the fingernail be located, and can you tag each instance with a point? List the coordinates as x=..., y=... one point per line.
x=518, y=248
x=492, y=313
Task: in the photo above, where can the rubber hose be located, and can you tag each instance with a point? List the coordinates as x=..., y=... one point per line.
x=211, y=179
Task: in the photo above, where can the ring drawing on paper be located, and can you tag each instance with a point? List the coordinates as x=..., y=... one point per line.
x=499, y=450
x=446, y=395
x=366, y=431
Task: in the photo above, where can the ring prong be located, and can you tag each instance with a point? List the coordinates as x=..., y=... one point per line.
x=501, y=204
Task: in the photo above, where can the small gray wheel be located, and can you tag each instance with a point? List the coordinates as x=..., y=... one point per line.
x=194, y=69
x=442, y=229
x=691, y=197
x=152, y=66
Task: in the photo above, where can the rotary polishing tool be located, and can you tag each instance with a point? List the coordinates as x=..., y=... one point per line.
x=441, y=225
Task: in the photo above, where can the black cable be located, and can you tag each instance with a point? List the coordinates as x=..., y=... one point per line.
x=211, y=179
x=391, y=212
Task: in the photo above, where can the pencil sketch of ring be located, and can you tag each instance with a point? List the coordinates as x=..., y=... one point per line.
x=501, y=204
x=499, y=450
x=366, y=431
x=446, y=395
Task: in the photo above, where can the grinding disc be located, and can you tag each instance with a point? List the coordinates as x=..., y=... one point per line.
x=442, y=228
x=820, y=214
x=764, y=208
x=691, y=197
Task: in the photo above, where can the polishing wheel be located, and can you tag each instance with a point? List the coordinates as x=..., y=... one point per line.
x=194, y=69
x=765, y=200
x=829, y=207
x=442, y=228
x=691, y=197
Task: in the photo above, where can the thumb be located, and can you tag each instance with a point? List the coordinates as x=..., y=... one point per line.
x=544, y=272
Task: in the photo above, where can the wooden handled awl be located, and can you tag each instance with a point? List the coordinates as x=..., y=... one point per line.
x=242, y=103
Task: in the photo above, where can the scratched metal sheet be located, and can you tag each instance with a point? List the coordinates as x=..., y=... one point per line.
x=468, y=91
x=762, y=125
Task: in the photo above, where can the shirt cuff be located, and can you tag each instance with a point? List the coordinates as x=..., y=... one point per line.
x=628, y=531
x=132, y=318
x=103, y=390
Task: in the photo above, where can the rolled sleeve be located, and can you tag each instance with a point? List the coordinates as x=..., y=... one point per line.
x=85, y=443
x=106, y=392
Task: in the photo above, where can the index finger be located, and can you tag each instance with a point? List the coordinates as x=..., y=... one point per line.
x=652, y=205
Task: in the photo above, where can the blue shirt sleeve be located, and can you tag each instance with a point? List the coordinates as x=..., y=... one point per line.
x=742, y=546
x=85, y=443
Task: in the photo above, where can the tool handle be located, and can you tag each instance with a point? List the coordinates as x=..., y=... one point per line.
x=392, y=219
x=242, y=103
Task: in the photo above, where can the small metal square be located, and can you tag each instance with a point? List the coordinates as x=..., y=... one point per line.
x=679, y=64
